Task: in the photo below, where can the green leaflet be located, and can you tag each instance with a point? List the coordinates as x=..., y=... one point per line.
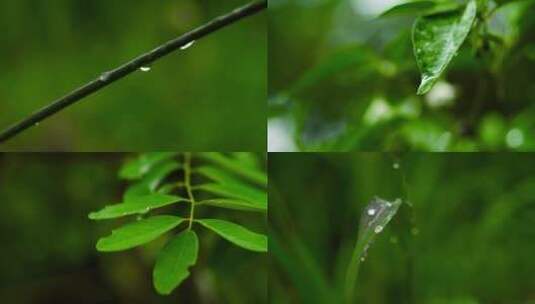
x=174, y=260
x=152, y=179
x=236, y=234
x=136, y=205
x=436, y=40
x=238, y=165
x=217, y=175
x=136, y=168
x=238, y=191
x=138, y=233
x=234, y=204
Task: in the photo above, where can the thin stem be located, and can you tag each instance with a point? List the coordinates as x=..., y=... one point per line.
x=187, y=184
x=146, y=59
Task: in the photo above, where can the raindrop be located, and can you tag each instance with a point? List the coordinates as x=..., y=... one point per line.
x=415, y=231
x=144, y=69
x=395, y=166
x=186, y=46
x=371, y=211
x=378, y=229
x=362, y=259
x=104, y=76
x=36, y=124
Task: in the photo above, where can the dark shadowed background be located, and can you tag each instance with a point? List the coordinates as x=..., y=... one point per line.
x=467, y=239
x=48, y=250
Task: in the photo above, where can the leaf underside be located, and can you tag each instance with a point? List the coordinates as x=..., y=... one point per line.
x=173, y=261
x=437, y=39
x=236, y=234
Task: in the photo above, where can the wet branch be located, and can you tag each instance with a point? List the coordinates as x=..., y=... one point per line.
x=146, y=59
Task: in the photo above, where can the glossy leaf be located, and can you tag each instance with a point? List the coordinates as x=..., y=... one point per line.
x=237, y=234
x=137, y=205
x=136, y=168
x=238, y=166
x=234, y=204
x=373, y=220
x=173, y=261
x=138, y=233
x=437, y=39
x=238, y=191
x=152, y=179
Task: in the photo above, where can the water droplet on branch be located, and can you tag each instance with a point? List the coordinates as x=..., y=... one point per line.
x=395, y=166
x=144, y=69
x=378, y=229
x=187, y=45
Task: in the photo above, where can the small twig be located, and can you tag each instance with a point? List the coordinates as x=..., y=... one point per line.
x=187, y=183
x=146, y=59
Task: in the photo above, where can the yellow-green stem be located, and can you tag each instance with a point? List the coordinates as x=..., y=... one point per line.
x=187, y=184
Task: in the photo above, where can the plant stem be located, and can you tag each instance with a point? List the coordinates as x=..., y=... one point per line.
x=187, y=184
x=146, y=59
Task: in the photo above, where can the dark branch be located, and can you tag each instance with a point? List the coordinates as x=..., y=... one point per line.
x=146, y=59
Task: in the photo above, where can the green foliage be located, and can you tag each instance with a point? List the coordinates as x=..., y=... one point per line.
x=189, y=179
x=463, y=215
x=353, y=84
x=437, y=39
x=174, y=260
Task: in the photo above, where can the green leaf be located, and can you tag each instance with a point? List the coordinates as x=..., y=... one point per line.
x=373, y=220
x=136, y=205
x=174, y=260
x=138, y=233
x=239, y=191
x=236, y=234
x=238, y=166
x=233, y=204
x=420, y=8
x=437, y=39
x=152, y=179
x=409, y=8
x=136, y=168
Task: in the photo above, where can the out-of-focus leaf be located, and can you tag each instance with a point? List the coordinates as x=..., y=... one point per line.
x=237, y=234
x=234, y=204
x=152, y=179
x=136, y=205
x=437, y=39
x=136, y=168
x=237, y=165
x=138, y=233
x=173, y=261
x=409, y=8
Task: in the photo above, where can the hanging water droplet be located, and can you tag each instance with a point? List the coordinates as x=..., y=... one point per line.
x=362, y=259
x=36, y=124
x=144, y=69
x=188, y=45
x=378, y=229
x=371, y=211
x=104, y=76
x=395, y=166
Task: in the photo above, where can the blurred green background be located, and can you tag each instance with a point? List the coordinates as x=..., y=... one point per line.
x=467, y=239
x=340, y=78
x=48, y=250
x=210, y=95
